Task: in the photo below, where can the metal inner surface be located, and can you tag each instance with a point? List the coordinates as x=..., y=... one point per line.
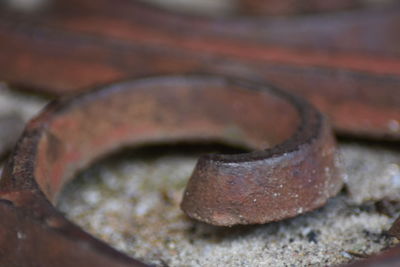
x=173, y=112
x=301, y=170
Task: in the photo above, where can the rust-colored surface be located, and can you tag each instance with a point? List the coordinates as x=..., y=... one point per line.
x=302, y=173
x=292, y=170
x=290, y=7
x=336, y=61
x=388, y=258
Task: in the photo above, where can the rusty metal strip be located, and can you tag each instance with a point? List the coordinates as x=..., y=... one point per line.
x=291, y=7
x=101, y=43
x=292, y=170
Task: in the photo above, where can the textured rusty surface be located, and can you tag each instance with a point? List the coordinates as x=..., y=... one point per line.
x=298, y=157
x=290, y=7
x=26, y=239
x=388, y=258
x=336, y=61
x=302, y=173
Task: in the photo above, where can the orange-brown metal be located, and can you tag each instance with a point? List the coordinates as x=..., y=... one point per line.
x=292, y=7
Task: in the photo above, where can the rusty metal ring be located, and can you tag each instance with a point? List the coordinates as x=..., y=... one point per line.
x=297, y=173
x=288, y=179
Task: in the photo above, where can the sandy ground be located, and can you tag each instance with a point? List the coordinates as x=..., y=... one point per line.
x=132, y=202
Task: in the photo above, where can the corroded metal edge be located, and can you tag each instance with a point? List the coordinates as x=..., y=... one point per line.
x=33, y=232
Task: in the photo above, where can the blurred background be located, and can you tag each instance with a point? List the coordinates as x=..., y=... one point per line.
x=234, y=7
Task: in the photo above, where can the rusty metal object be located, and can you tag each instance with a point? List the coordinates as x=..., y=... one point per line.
x=106, y=41
x=388, y=258
x=293, y=7
x=290, y=7
x=292, y=170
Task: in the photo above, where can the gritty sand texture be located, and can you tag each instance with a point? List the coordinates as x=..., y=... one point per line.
x=373, y=173
x=25, y=105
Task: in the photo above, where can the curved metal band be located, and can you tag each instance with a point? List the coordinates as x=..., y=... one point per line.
x=291, y=170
